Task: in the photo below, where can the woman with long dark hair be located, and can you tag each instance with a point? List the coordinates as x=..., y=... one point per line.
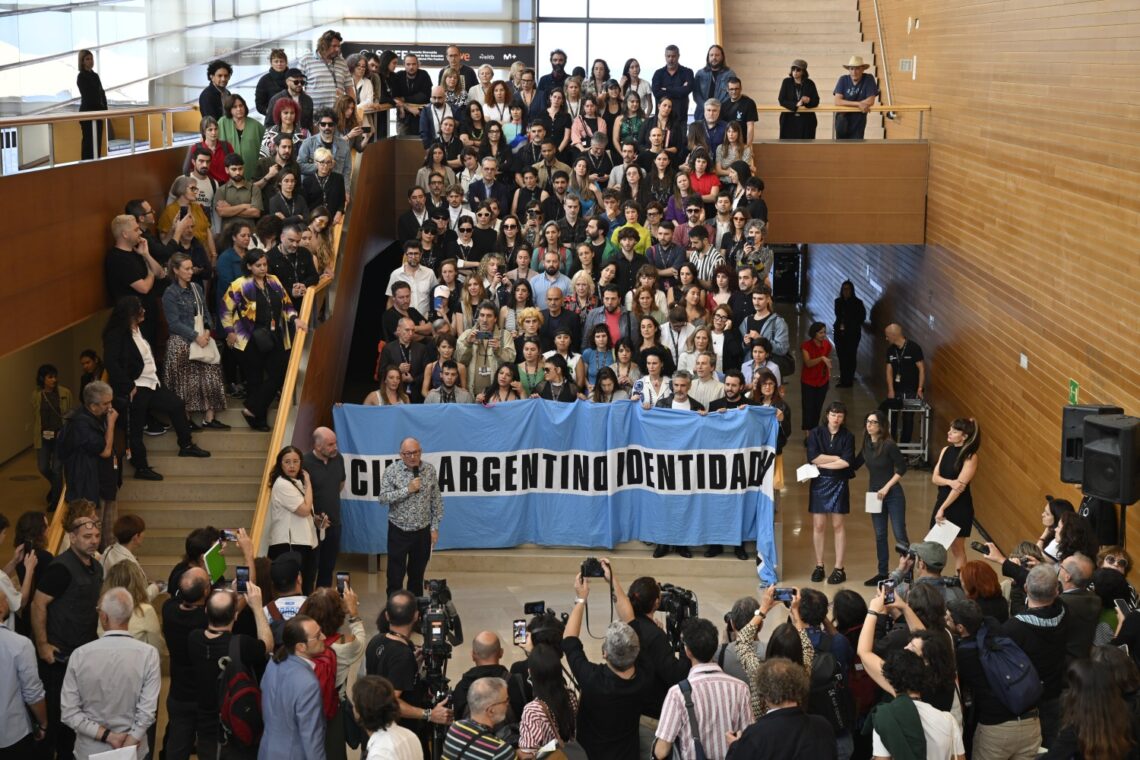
x=552, y=714
x=1096, y=721
x=850, y=313
x=798, y=91
x=92, y=97
x=831, y=448
x=557, y=386
x=957, y=465
x=766, y=392
x=885, y=467
x=391, y=390
x=631, y=81
x=51, y=404
x=1051, y=518
x=291, y=518
x=258, y=319
x=627, y=126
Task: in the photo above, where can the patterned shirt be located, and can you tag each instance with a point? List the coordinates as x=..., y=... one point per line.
x=720, y=703
x=469, y=740
x=412, y=511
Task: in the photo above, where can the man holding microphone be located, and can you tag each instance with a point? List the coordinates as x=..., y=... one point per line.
x=415, y=509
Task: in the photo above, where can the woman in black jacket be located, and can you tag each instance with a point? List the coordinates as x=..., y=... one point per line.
x=92, y=97
x=133, y=376
x=850, y=314
x=796, y=92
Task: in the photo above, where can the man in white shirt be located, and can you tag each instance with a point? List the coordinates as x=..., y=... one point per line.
x=706, y=388
x=110, y=690
x=676, y=334
x=421, y=279
x=377, y=708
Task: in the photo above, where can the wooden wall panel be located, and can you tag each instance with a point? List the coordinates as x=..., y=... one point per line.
x=370, y=229
x=1032, y=222
x=59, y=230
x=832, y=192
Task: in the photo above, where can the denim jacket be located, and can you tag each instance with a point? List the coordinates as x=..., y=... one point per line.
x=179, y=305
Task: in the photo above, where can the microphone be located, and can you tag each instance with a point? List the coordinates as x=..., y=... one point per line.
x=415, y=472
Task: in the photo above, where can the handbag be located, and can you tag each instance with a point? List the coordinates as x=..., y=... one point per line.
x=207, y=354
x=570, y=750
x=786, y=363
x=264, y=340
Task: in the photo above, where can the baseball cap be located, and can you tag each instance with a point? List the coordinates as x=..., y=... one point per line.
x=934, y=555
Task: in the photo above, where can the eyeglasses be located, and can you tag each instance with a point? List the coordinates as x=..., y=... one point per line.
x=466, y=229
x=738, y=219
x=411, y=453
x=1117, y=561
x=510, y=226
x=692, y=211
x=719, y=316
x=427, y=232
x=482, y=213
x=326, y=125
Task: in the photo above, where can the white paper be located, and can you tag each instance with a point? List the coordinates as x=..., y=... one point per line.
x=806, y=472
x=123, y=753
x=874, y=505
x=944, y=533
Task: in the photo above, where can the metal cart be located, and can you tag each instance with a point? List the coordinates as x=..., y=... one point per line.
x=917, y=452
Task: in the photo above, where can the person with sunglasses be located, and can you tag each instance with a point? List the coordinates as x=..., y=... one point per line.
x=797, y=92
x=327, y=138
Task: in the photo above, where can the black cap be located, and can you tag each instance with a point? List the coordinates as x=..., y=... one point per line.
x=294, y=74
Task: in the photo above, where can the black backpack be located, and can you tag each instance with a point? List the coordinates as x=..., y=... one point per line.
x=830, y=695
x=239, y=700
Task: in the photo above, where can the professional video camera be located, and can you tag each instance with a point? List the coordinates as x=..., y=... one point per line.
x=442, y=630
x=679, y=605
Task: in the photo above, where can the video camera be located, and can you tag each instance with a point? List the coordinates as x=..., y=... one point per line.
x=442, y=628
x=678, y=604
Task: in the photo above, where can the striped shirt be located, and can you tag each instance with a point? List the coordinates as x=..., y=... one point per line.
x=706, y=263
x=469, y=740
x=323, y=78
x=721, y=705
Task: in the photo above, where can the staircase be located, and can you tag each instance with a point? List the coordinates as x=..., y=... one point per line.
x=763, y=37
x=220, y=491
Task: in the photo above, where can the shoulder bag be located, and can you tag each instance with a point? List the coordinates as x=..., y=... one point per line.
x=207, y=354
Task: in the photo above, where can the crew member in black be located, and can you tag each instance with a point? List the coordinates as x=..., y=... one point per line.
x=906, y=376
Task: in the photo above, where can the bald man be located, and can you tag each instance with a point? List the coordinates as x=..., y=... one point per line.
x=325, y=466
x=487, y=654
x=431, y=117
x=906, y=376
x=410, y=488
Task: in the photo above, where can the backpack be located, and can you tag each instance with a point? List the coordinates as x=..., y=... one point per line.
x=1009, y=671
x=865, y=692
x=239, y=700
x=829, y=695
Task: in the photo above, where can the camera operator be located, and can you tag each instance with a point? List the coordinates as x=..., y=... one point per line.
x=927, y=559
x=391, y=654
x=656, y=656
x=609, y=708
x=487, y=654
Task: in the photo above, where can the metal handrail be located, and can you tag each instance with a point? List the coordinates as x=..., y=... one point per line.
x=886, y=72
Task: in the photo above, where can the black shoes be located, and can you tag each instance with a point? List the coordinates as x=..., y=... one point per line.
x=146, y=473
x=714, y=550
x=837, y=576
x=193, y=451
x=194, y=426
x=155, y=429
x=874, y=582
x=740, y=553
x=817, y=574
x=684, y=552
x=661, y=550
x=215, y=424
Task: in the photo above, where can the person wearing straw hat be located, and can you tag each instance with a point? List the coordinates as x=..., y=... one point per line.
x=856, y=89
x=798, y=91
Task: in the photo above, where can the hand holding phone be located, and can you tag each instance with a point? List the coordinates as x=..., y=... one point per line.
x=241, y=579
x=342, y=582
x=518, y=629
x=785, y=595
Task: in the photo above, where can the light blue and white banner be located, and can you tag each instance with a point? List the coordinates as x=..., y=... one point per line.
x=581, y=474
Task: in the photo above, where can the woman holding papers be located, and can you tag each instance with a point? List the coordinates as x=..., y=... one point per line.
x=831, y=448
x=956, y=467
x=885, y=498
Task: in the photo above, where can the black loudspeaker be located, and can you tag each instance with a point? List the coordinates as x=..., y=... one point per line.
x=1073, y=439
x=1112, y=458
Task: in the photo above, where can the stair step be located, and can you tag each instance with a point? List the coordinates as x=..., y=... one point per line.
x=183, y=517
x=239, y=439
x=172, y=541
x=733, y=19
x=221, y=464
x=761, y=7
x=188, y=489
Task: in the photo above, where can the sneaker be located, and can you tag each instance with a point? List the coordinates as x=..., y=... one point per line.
x=817, y=574
x=193, y=451
x=837, y=576
x=155, y=429
x=874, y=582
x=714, y=550
x=661, y=550
x=146, y=473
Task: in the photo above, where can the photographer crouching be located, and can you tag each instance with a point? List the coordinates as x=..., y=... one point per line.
x=392, y=654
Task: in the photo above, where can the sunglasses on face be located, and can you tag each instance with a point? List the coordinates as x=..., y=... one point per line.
x=510, y=226
x=326, y=124
x=466, y=229
x=1117, y=561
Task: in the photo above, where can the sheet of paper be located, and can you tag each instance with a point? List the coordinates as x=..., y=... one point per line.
x=874, y=506
x=806, y=472
x=123, y=753
x=943, y=534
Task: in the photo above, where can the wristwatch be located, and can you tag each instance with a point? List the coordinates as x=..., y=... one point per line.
x=427, y=713
x=102, y=738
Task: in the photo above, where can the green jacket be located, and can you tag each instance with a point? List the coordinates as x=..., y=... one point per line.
x=899, y=726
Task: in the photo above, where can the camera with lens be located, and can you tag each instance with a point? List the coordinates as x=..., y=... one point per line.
x=592, y=568
x=442, y=628
x=678, y=604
